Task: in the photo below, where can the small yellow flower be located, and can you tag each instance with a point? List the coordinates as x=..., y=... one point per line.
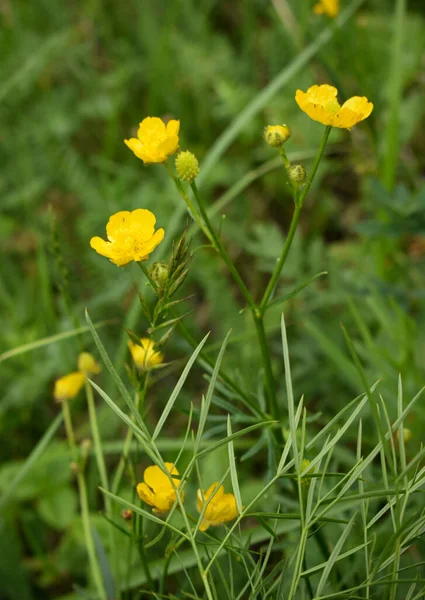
x=157, y=489
x=68, y=386
x=320, y=104
x=131, y=236
x=144, y=354
x=87, y=364
x=330, y=8
x=219, y=509
x=155, y=141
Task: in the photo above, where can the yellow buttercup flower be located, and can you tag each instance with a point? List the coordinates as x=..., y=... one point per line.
x=157, y=489
x=144, y=354
x=330, y=8
x=219, y=509
x=87, y=364
x=155, y=141
x=131, y=236
x=320, y=104
x=68, y=386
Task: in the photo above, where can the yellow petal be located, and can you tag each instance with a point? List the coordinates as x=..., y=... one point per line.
x=204, y=525
x=169, y=146
x=146, y=494
x=142, y=223
x=157, y=480
x=67, y=387
x=151, y=126
x=353, y=111
x=87, y=364
x=150, y=246
x=173, y=127
x=117, y=224
x=101, y=247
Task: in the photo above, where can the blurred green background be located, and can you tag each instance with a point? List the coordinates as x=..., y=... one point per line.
x=77, y=77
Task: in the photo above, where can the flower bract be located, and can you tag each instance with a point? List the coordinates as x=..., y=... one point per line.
x=219, y=508
x=320, y=104
x=155, y=141
x=131, y=236
x=157, y=489
x=68, y=386
x=330, y=8
x=144, y=354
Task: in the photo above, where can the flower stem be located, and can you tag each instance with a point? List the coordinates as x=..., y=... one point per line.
x=220, y=249
x=299, y=201
x=101, y=467
x=85, y=516
x=316, y=163
x=192, y=209
x=282, y=259
x=257, y=316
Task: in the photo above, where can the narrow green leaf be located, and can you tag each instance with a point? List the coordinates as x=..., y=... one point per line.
x=177, y=389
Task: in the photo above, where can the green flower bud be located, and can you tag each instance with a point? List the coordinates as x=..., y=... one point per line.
x=159, y=272
x=297, y=174
x=277, y=135
x=187, y=166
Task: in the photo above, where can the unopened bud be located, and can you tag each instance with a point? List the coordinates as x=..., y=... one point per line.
x=127, y=514
x=187, y=166
x=159, y=272
x=277, y=135
x=297, y=174
x=407, y=435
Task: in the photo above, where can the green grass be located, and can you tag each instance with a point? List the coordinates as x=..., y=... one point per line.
x=76, y=80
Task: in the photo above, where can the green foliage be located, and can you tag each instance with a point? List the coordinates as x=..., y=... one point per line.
x=76, y=80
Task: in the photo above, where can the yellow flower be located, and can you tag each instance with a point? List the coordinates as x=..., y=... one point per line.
x=87, y=364
x=144, y=354
x=131, y=236
x=67, y=387
x=219, y=509
x=320, y=104
x=155, y=141
x=157, y=489
x=330, y=8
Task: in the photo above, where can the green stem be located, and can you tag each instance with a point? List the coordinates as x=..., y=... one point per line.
x=299, y=201
x=220, y=249
x=85, y=516
x=101, y=467
x=316, y=163
x=257, y=316
x=268, y=372
x=100, y=459
x=282, y=259
x=191, y=207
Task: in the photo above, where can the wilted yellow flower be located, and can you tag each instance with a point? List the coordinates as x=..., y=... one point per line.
x=330, y=8
x=131, y=236
x=87, y=364
x=155, y=141
x=68, y=386
x=320, y=104
x=219, y=509
x=157, y=489
x=277, y=135
x=144, y=354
